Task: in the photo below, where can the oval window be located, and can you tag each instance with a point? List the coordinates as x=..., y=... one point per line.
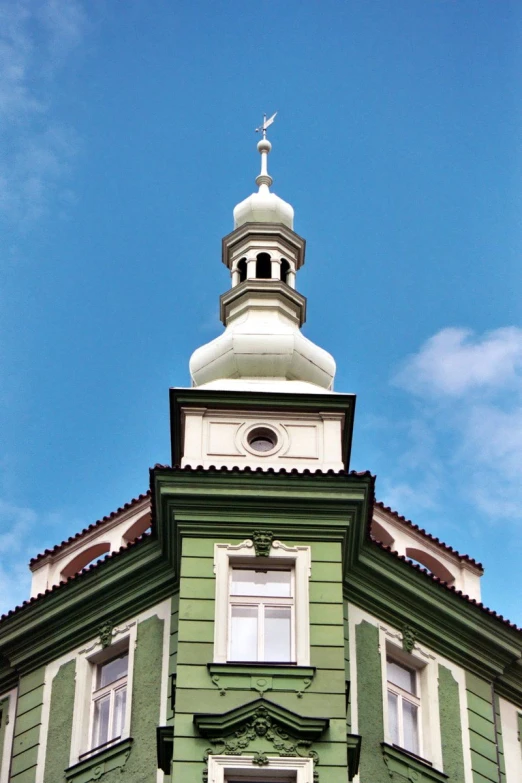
x=262, y=439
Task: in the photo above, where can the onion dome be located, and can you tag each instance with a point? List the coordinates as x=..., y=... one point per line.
x=264, y=206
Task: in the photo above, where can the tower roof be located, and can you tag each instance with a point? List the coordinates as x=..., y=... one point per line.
x=264, y=206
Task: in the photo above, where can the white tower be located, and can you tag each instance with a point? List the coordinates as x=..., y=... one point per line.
x=262, y=312
x=261, y=393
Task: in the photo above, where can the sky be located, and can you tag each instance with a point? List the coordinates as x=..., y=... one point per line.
x=127, y=137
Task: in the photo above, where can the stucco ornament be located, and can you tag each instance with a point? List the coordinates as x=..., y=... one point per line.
x=106, y=631
x=262, y=542
x=262, y=726
x=409, y=638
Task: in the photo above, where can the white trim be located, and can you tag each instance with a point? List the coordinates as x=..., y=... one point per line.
x=86, y=666
x=299, y=557
x=511, y=741
x=5, y=761
x=221, y=766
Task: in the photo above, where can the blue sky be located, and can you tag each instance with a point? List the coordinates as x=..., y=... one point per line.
x=127, y=137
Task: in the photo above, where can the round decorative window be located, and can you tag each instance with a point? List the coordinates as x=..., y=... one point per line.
x=262, y=440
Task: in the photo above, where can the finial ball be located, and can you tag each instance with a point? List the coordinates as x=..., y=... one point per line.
x=264, y=145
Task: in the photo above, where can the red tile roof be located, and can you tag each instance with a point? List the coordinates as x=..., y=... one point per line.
x=428, y=536
x=102, y=521
x=80, y=575
x=446, y=586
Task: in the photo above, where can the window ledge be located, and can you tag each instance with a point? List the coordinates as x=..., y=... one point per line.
x=402, y=764
x=261, y=677
x=94, y=767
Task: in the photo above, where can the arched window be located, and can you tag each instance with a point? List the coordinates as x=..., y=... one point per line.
x=137, y=528
x=84, y=558
x=285, y=268
x=431, y=563
x=263, y=267
x=242, y=269
x=380, y=533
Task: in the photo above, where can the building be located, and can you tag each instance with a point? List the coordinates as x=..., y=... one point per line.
x=258, y=615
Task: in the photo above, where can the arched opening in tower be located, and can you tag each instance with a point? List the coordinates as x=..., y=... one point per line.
x=263, y=267
x=242, y=269
x=285, y=268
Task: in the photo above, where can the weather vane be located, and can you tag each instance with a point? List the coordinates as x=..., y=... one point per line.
x=266, y=124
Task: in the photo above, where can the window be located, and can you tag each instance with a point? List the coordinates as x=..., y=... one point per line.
x=261, y=614
x=262, y=603
x=109, y=700
x=239, y=769
x=403, y=706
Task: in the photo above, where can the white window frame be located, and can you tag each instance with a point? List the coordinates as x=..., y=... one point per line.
x=107, y=690
x=225, y=768
x=260, y=603
x=88, y=660
x=426, y=666
x=402, y=696
x=227, y=556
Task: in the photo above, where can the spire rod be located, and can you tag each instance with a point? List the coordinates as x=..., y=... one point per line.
x=264, y=180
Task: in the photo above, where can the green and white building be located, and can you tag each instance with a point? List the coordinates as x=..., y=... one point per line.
x=258, y=616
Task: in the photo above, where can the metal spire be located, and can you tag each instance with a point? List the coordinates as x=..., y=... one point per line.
x=266, y=124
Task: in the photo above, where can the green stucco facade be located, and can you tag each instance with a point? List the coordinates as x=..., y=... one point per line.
x=330, y=710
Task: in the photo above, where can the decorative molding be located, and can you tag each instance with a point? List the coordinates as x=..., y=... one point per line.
x=103, y=639
x=261, y=678
x=107, y=760
x=402, y=765
x=262, y=542
x=262, y=725
x=237, y=766
x=409, y=637
x=106, y=632
x=258, y=716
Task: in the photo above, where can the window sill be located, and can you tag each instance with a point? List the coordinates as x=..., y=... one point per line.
x=402, y=764
x=94, y=767
x=261, y=677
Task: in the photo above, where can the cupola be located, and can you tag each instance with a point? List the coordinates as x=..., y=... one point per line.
x=262, y=312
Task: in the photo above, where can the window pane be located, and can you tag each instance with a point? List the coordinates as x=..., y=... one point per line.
x=120, y=701
x=402, y=676
x=278, y=633
x=243, y=633
x=410, y=726
x=393, y=720
x=263, y=583
x=100, y=732
x=113, y=670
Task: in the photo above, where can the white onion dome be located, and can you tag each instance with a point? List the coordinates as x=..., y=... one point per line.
x=264, y=206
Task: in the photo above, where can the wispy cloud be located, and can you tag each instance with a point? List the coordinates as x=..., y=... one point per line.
x=23, y=534
x=35, y=41
x=468, y=416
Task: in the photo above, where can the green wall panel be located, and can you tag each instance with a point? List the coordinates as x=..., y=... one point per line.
x=195, y=692
x=60, y=723
x=369, y=704
x=484, y=756
x=450, y=725
x=27, y=727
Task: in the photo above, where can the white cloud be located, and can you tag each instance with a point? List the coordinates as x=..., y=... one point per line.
x=453, y=363
x=35, y=40
x=468, y=395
